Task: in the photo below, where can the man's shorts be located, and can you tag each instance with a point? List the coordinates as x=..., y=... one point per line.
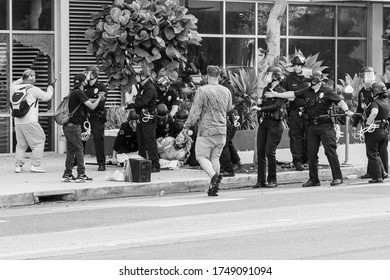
x=210, y=146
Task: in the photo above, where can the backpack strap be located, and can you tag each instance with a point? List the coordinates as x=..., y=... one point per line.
x=75, y=109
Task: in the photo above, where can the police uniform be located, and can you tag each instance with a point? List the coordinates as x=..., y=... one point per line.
x=269, y=134
x=321, y=129
x=297, y=121
x=163, y=126
x=377, y=140
x=145, y=105
x=169, y=98
x=126, y=139
x=364, y=98
x=97, y=118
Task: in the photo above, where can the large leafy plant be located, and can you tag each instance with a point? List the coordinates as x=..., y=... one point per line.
x=312, y=62
x=245, y=83
x=153, y=34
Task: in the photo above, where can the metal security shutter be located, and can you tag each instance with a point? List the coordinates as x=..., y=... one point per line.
x=79, y=22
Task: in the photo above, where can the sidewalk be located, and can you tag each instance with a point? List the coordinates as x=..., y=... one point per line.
x=29, y=188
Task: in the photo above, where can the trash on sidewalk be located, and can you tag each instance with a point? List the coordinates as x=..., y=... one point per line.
x=116, y=176
x=352, y=177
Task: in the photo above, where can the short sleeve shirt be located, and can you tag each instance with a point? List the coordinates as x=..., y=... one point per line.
x=318, y=103
x=76, y=97
x=169, y=99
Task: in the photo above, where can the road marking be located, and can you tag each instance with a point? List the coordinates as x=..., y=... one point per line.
x=180, y=237
x=169, y=202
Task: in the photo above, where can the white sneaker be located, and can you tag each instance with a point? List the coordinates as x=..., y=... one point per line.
x=37, y=169
x=18, y=169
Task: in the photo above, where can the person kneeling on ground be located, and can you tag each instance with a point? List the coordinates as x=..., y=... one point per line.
x=126, y=140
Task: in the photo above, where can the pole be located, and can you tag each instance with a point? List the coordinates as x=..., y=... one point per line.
x=346, y=162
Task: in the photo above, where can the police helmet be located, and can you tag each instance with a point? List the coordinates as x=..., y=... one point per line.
x=93, y=69
x=163, y=81
x=132, y=115
x=277, y=73
x=162, y=109
x=298, y=60
x=366, y=69
x=378, y=88
x=317, y=77
x=182, y=114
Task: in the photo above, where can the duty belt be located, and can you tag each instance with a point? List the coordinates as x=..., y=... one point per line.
x=320, y=120
x=381, y=124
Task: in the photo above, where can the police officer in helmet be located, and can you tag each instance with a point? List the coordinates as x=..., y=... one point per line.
x=167, y=95
x=319, y=99
x=367, y=76
x=270, y=130
x=163, y=120
x=376, y=138
x=297, y=120
x=145, y=106
x=96, y=117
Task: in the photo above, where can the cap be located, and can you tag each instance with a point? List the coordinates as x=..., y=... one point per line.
x=78, y=79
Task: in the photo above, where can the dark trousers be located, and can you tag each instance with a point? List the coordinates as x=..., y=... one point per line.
x=384, y=160
x=146, y=138
x=326, y=134
x=74, y=148
x=97, y=131
x=229, y=155
x=269, y=135
x=375, y=142
x=297, y=134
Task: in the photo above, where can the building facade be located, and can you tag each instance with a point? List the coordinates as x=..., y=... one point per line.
x=48, y=36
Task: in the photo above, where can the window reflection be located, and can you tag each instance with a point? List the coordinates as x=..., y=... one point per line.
x=351, y=57
x=4, y=14
x=4, y=135
x=240, y=52
x=211, y=53
x=4, y=73
x=311, y=20
x=352, y=22
x=240, y=18
x=324, y=48
x=208, y=13
x=386, y=38
x=32, y=14
x=263, y=14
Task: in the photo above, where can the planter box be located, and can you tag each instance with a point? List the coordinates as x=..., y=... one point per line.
x=108, y=144
x=244, y=140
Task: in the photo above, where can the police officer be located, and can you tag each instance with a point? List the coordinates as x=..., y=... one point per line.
x=145, y=105
x=167, y=95
x=163, y=120
x=96, y=117
x=376, y=138
x=126, y=140
x=270, y=130
x=365, y=95
x=229, y=156
x=319, y=99
x=178, y=123
x=297, y=120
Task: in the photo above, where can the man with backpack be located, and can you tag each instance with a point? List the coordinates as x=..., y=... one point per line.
x=29, y=133
x=72, y=130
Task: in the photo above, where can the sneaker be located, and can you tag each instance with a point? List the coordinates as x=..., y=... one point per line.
x=68, y=178
x=82, y=178
x=18, y=169
x=37, y=169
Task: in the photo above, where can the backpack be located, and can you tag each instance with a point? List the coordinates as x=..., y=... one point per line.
x=19, y=104
x=62, y=115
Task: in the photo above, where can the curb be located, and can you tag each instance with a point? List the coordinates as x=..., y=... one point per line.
x=161, y=188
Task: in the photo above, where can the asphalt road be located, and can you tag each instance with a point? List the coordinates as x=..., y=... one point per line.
x=348, y=222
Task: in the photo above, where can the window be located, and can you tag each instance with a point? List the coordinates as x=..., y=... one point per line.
x=262, y=18
x=351, y=22
x=351, y=57
x=4, y=15
x=311, y=20
x=208, y=13
x=4, y=73
x=33, y=14
x=240, y=18
x=240, y=52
